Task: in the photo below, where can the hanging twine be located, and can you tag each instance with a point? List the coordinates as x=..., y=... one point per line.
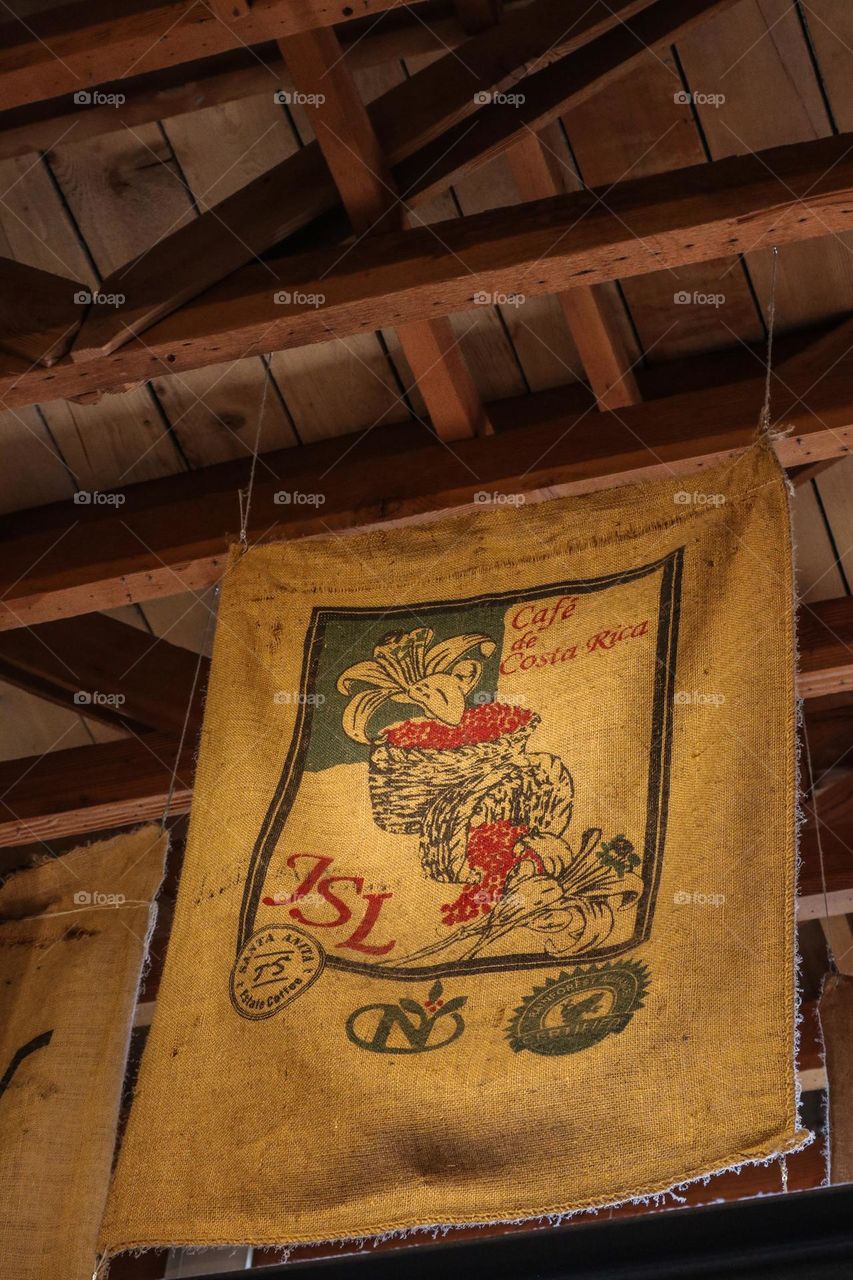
x=173, y=780
x=764, y=429
x=244, y=496
x=832, y=962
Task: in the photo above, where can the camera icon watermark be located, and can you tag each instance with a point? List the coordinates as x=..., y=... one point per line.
x=686, y=498
x=286, y=497
x=498, y=299
x=94, y=698
x=683, y=298
x=696, y=698
x=84, y=297
x=293, y=98
x=83, y=898
x=685, y=99
x=684, y=898
x=484, y=96
x=95, y=498
x=295, y=697
x=95, y=98
x=288, y=297
x=483, y=497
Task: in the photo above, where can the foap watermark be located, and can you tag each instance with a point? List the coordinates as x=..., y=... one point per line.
x=507, y=699
x=95, y=98
x=94, y=698
x=684, y=298
x=293, y=98
x=686, y=498
x=85, y=898
x=295, y=697
x=484, y=96
x=84, y=297
x=95, y=498
x=483, y=498
x=498, y=299
x=696, y=698
x=684, y=898
x=685, y=99
x=287, y=297
x=293, y=497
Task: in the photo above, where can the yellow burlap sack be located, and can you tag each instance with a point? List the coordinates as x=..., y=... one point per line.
x=72, y=941
x=487, y=910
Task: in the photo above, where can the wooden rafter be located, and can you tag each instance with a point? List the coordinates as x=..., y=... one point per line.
x=171, y=535
x=355, y=158
x=292, y=194
x=587, y=311
x=106, y=670
x=691, y=215
x=40, y=312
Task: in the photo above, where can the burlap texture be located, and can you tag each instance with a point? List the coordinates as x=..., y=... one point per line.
x=836, y=1020
x=429, y=971
x=69, y=973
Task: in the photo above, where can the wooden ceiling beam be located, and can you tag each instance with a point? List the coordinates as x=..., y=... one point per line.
x=106, y=670
x=172, y=534
x=79, y=46
x=695, y=214
x=586, y=310
x=287, y=197
x=94, y=788
x=40, y=312
x=357, y=163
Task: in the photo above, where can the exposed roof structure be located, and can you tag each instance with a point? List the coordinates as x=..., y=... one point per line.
x=408, y=253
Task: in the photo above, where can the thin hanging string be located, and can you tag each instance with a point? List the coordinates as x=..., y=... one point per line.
x=188, y=713
x=764, y=421
x=244, y=496
x=783, y=1162
x=832, y=962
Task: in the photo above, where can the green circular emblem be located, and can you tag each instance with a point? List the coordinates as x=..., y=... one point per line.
x=576, y=1010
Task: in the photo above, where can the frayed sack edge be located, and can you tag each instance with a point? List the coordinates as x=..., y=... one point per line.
x=655, y=1196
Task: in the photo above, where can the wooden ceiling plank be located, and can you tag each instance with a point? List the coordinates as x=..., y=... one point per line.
x=170, y=535
x=40, y=312
x=826, y=647
x=592, y=325
x=104, y=669
x=356, y=160
x=408, y=120
x=692, y=215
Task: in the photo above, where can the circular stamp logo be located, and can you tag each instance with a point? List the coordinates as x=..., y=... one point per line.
x=576, y=1010
x=275, y=966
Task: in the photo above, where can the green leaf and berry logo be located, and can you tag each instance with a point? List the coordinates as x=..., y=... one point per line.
x=409, y=1026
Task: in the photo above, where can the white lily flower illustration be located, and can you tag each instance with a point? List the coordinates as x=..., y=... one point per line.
x=405, y=669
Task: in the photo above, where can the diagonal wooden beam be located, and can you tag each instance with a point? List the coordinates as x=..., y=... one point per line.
x=586, y=310
x=355, y=158
x=40, y=312
x=410, y=116
x=170, y=535
x=106, y=670
x=695, y=214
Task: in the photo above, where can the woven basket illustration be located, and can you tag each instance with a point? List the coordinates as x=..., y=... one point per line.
x=405, y=781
